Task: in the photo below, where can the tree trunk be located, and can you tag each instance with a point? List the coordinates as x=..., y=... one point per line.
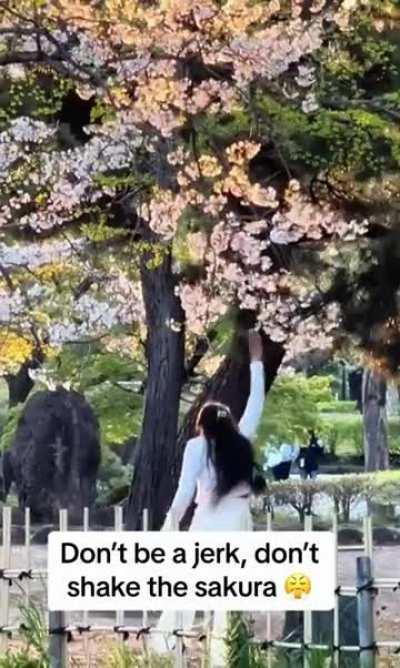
x=155, y=455
x=375, y=422
x=231, y=382
x=229, y=385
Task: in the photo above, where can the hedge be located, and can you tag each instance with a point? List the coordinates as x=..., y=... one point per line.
x=344, y=433
x=344, y=491
x=337, y=407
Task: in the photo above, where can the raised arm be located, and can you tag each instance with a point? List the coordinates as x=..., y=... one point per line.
x=191, y=468
x=251, y=417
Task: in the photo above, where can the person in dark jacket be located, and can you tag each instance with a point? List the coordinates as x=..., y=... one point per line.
x=309, y=457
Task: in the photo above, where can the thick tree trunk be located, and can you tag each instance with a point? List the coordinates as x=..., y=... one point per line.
x=375, y=427
x=155, y=454
x=230, y=385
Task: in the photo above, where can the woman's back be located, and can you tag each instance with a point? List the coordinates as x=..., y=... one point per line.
x=198, y=475
x=206, y=479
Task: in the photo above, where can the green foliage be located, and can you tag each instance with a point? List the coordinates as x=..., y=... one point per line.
x=354, y=128
x=100, y=231
x=346, y=490
x=34, y=633
x=38, y=94
x=3, y=405
x=292, y=408
x=108, y=382
x=221, y=129
x=10, y=426
x=355, y=140
x=240, y=651
x=343, y=490
x=114, y=479
x=243, y=653
x=119, y=412
x=344, y=433
x=298, y=494
x=337, y=407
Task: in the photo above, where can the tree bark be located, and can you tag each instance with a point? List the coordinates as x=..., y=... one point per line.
x=229, y=385
x=375, y=426
x=155, y=454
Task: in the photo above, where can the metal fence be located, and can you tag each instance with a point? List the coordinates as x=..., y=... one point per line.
x=62, y=632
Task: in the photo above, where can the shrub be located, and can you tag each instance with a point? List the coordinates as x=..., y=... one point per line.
x=344, y=431
x=299, y=494
x=347, y=490
x=291, y=409
x=337, y=407
x=343, y=490
x=34, y=633
x=114, y=478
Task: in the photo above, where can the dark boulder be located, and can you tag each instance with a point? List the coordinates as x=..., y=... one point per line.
x=55, y=454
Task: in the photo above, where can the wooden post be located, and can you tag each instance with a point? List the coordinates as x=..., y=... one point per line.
x=365, y=607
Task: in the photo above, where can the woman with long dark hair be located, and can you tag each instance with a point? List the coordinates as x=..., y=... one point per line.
x=219, y=467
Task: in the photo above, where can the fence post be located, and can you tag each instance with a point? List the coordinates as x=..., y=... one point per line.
x=307, y=614
x=178, y=663
x=365, y=608
x=4, y=586
x=57, y=645
x=57, y=621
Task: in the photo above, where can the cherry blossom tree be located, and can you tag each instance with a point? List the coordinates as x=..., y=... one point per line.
x=186, y=154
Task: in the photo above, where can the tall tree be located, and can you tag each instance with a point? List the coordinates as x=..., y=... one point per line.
x=375, y=423
x=269, y=157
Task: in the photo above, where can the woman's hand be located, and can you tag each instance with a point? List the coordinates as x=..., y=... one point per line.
x=255, y=346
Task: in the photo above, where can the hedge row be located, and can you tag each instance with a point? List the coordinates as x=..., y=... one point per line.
x=343, y=491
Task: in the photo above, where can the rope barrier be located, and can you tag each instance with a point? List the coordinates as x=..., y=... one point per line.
x=145, y=630
x=368, y=586
x=61, y=631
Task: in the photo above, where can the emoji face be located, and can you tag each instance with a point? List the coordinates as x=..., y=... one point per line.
x=298, y=585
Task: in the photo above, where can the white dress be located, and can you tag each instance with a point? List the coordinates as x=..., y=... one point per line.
x=231, y=513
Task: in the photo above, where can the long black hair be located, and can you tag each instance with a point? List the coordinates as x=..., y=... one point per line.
x=230, y=452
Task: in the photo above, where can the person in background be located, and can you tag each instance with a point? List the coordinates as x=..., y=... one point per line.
x=309, y=457
x=288, y=453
